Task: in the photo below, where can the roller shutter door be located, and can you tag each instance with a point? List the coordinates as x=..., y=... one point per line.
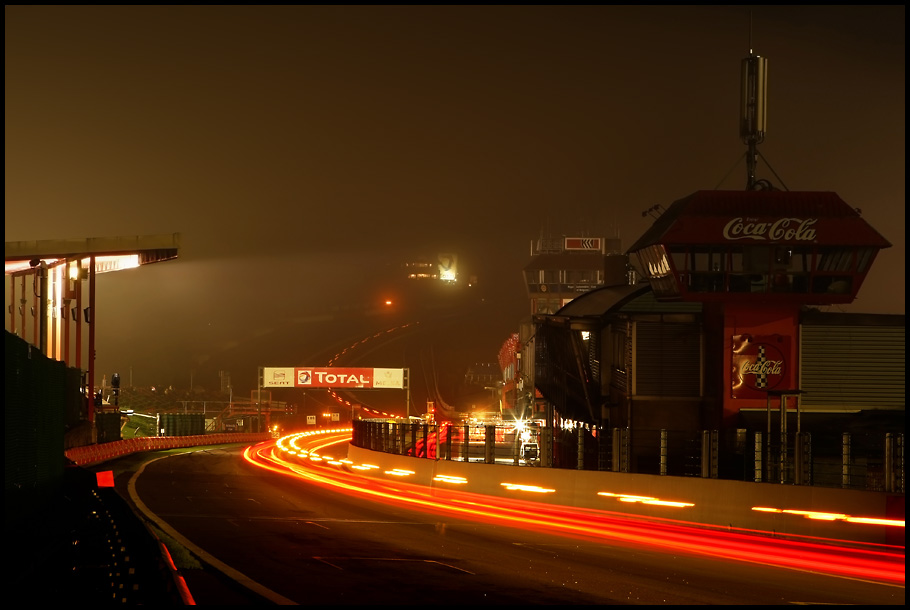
x=668, y=359
x=852, y=367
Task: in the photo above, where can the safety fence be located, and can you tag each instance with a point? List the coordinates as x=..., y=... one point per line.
x=873, y=462
x=101, y=452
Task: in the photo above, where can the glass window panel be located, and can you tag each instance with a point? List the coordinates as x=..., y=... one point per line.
x=756, y=258
x=864, y=258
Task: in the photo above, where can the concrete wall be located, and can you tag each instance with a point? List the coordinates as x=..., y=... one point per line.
x=715, y=502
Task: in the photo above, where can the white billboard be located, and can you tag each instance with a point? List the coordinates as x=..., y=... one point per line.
x=388, y=378
x=282, y=377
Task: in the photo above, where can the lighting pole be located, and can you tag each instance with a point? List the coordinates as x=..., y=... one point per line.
x=407, y=373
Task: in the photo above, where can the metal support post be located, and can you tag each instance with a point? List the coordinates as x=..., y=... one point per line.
x=516, y=447
x=705, y=454
x=803, y=470
x=489, y=444
x=715, y=452
x=845, y=460
x=757, y=457
x=580, y=456
x=626, y=449
x=617, y=450
x=545, y=442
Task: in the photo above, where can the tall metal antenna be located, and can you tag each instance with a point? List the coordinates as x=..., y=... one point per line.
x=750, y=32
x=753, y=107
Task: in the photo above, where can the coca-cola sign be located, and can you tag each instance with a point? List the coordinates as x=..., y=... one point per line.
x=759, y=365
x=782, y=229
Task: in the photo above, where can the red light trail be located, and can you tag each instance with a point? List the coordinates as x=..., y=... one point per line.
x=287, y=456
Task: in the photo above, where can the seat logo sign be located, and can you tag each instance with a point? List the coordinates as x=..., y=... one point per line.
x=278, y=378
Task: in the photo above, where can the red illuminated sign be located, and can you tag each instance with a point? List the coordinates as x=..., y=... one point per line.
x=333, y=377
x=759, y=365
x=582, y=243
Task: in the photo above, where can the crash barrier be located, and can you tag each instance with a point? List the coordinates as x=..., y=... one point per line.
x=869, y=462
x=797, y=510
x=101, y=452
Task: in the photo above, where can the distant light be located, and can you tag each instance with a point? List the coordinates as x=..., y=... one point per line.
x=105, y=264
x=75, y=270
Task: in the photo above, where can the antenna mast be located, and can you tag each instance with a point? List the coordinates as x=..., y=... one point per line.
x=753, y=107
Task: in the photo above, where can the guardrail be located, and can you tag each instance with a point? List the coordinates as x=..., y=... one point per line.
x=101, y=452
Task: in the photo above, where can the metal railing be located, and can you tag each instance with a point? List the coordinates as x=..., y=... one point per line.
x=872, y=462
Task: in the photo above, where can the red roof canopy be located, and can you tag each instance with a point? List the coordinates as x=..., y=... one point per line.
x=756, y=217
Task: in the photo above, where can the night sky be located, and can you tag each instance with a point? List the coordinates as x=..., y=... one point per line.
x=302, y=151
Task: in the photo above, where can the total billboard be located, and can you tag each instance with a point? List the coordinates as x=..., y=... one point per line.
x=331, y=377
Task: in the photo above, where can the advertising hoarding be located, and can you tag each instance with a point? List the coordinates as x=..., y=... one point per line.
x=331, y=377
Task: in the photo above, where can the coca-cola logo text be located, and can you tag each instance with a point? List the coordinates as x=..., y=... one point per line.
x=771, y=367
x=782, y=229
x=759, y=364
